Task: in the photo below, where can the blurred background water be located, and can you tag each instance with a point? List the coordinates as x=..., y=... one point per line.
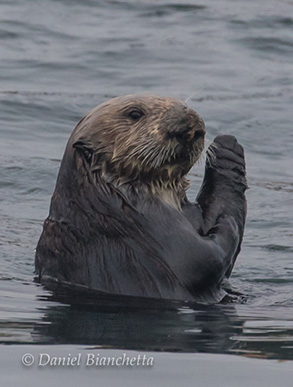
x=59, y=59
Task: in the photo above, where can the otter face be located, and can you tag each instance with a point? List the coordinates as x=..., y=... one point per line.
x=146, y=137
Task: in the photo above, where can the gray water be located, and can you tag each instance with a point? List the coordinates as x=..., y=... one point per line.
x=59, y=59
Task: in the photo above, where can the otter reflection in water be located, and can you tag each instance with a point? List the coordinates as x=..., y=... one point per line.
x=137, y=323
x=120, y=221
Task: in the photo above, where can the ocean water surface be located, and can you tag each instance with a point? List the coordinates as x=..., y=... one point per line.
x=234, y=59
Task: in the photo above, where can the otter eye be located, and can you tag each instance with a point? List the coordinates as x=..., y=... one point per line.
x=135, y=114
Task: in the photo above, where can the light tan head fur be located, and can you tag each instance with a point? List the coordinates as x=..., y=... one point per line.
x=141, y=139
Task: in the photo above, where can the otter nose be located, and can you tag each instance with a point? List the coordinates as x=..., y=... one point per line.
x=187, y=134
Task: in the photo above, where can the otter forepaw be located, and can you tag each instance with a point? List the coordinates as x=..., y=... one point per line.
x=226, y=153
x=230, y=143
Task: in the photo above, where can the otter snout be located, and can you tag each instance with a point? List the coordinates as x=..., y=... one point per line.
x=186, y=134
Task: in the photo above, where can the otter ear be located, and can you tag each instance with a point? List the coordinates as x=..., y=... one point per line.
x=83, y=148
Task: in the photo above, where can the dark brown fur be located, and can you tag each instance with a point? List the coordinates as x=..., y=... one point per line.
x=119, y=219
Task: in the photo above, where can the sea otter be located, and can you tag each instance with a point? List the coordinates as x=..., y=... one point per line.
x=120, y=221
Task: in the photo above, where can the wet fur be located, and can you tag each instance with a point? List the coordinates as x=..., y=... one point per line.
x=119, y=219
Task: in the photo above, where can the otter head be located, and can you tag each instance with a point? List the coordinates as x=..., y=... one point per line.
x=140, y=138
